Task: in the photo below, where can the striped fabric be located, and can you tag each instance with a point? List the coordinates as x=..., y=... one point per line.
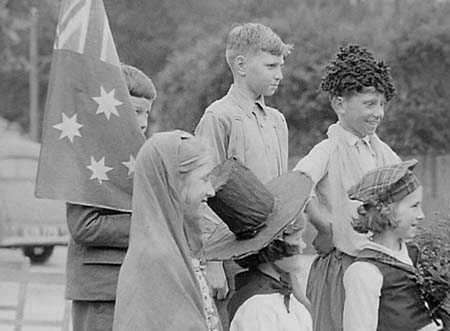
x=387, y=184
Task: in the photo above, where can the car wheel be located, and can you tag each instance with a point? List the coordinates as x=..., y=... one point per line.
x=38, y=254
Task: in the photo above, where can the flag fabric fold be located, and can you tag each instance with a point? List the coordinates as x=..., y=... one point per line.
x=90, y=135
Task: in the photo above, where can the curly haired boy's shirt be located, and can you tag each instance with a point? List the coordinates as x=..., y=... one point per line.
x=334, y=165
x=255, y=133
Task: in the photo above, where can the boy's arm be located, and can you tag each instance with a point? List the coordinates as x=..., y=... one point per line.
x=217, y=280
x=214, y=131
x=299, y=293
x=323, y=242
x=315, y=165
x=98, y=227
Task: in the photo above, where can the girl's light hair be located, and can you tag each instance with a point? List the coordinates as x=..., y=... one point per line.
x=375, y=216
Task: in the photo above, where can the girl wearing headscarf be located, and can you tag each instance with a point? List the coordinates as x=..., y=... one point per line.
x=161, y=284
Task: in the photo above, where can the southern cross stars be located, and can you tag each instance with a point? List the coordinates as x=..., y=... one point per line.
x=130, y=164
x=69, y=127
x=107, y=103
x=99, y=169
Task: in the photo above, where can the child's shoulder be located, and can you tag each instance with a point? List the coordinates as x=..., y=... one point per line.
x=325, y=147
x=275, y=113
x=222, y=107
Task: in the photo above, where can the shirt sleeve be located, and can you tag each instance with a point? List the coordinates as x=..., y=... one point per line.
x=215, y=132
x=98, y=227
x=362, y=283
x=254, y=315
x=315, y=163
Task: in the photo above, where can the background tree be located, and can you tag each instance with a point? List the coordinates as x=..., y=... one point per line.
x=181, y=44
x=14, y=64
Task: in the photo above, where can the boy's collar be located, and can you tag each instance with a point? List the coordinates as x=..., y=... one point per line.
x=245, y=102
x=350, y=137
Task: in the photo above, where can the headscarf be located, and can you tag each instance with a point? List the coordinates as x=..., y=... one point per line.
x=157, y=288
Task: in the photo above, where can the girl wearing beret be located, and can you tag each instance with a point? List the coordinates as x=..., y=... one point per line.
x=380, y=293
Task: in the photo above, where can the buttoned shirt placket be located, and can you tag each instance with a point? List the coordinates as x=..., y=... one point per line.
x=366, y=153
x=269, y=136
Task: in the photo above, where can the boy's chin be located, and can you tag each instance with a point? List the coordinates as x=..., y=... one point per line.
x=269, y=92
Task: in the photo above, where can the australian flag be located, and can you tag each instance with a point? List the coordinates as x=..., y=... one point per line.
x=90, y=134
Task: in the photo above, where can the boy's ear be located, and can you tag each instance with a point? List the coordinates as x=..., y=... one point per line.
x=337, y=103
x=240, y=64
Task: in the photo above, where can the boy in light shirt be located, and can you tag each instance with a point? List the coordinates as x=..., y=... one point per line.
x=241, y=124
x=359, y=88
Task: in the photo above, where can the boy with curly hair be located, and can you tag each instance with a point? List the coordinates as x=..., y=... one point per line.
x=359, y=88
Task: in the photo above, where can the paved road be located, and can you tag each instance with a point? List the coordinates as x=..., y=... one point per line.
x=42, y=302
x=47, y=302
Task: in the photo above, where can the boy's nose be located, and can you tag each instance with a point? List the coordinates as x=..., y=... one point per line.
x=278, y=74
x=143, y=126
x=379, y=111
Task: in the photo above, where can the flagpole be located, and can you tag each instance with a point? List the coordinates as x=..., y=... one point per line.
x=34, y=77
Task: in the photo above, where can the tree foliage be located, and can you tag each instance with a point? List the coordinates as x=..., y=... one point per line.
x=14, y=49
x=411, y=36
x=181, y=44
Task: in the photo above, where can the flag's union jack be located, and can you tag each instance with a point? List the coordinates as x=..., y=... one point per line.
x=72, y=31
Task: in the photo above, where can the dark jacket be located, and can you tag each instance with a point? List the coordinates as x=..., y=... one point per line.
x=401, y=307
x=98, y=244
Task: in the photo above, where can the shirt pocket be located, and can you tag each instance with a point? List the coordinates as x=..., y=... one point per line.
x=237, y=144
x=97, y=255
x=282, y=139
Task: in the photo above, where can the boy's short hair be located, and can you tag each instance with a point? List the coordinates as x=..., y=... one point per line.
x=353, y=70
x=254, y=37
x=139, y=84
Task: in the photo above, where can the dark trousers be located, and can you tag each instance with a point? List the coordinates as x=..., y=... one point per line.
x=92, y=315
x=325, y=289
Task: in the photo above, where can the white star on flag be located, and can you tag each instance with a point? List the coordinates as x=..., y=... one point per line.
x=107, y=103
x=130, y=164
x=98, y=169
x=69, y=127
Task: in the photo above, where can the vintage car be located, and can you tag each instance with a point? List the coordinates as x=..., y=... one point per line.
x=26, y=222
